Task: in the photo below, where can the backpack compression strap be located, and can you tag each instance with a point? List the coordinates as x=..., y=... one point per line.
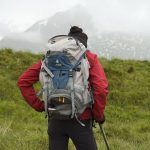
x=82, y=54
x=47, y=70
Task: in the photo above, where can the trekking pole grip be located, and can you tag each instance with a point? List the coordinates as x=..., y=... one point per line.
x=104, y=136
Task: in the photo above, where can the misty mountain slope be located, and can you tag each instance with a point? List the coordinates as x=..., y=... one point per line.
x=122, y=45
x=23, y=41
x=4, y=29
x=61, y=22
x=38, y=34
x=106, y=44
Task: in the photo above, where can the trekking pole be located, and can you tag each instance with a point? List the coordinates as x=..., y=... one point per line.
x=104, y=136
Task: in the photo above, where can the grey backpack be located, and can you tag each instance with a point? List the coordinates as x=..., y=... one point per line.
x=64, y=78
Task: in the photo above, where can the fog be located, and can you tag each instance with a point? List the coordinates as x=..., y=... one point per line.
x=109, y=15
x=116, y=28
x=121, y=15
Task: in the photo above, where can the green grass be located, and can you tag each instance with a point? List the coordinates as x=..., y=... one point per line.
x=127, y=123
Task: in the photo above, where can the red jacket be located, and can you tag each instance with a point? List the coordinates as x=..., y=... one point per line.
x=97, y=80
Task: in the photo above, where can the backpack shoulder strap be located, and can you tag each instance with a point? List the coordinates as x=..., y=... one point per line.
x=47, y=70
x=79, y=57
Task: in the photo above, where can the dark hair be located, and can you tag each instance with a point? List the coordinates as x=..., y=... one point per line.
x=78, y=33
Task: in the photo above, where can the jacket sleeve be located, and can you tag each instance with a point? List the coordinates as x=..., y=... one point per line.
x=25, y=83
x=99, y=84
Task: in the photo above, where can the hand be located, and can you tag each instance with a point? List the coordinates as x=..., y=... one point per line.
x=102, y=120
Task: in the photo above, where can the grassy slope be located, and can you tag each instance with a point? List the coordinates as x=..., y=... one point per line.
x=127, y=112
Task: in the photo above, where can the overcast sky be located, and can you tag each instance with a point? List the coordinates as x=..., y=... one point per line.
x=124, y=15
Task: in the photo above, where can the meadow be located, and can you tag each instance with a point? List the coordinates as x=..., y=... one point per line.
x=127, y=112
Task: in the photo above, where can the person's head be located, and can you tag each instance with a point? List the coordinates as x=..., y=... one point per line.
x=78, y=33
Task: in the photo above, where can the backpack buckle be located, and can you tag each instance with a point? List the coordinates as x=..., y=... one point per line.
x=61, y=99
x=70, y=73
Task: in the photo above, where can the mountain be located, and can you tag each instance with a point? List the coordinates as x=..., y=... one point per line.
x=4, y=29
x=106, y=44
x=1, y=37
x=35, y=38
x=22, y=41
x=122, y=45
x=62, y=21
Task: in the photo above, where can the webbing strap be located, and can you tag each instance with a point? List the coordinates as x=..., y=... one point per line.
x=47, y=70
x=73, y=104
x=45, y=93
x=82, y=54
x=72, y=96
x=84, y=74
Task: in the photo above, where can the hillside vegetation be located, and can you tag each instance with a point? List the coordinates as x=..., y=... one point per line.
x=127, y=123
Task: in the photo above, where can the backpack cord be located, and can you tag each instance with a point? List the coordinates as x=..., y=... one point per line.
x=82, y=124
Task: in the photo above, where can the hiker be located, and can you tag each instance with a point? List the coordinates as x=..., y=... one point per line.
x=79, y=127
